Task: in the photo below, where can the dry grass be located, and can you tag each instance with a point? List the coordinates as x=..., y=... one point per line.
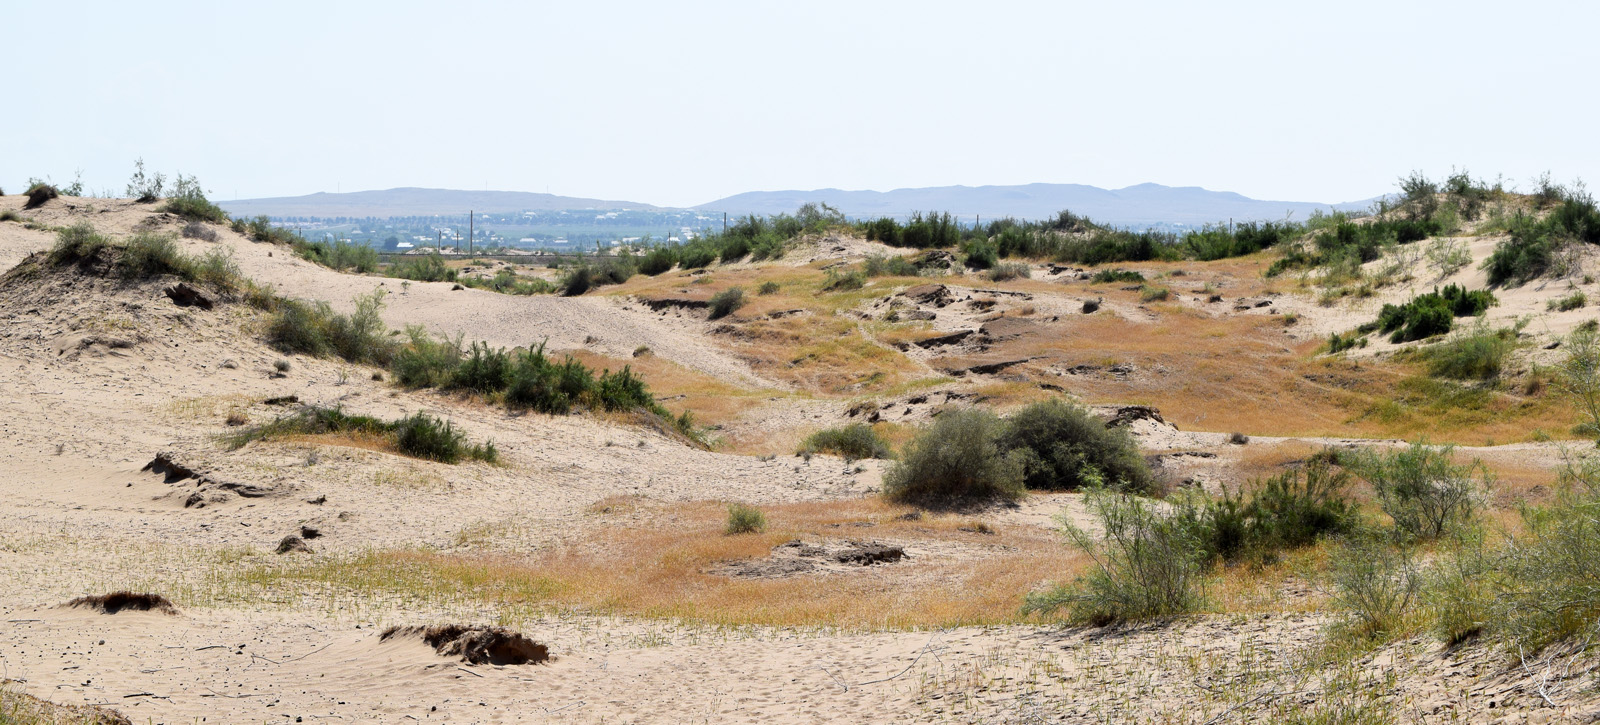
x=952, y=578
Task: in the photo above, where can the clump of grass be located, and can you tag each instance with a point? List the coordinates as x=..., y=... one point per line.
x=744, y=519
x=1150, y=293
x=418, y=436
x=1116, y=275
x=957, y=459
x=852, y=442
x=767, y=288
x=199, y=230
x=1479, y=353
x=1008, y=271
x=313, y=328
x=9, y=216
x=144, y=255
x=878, y=265
x=1574, y=301
x=842, y=282
x=725, y=302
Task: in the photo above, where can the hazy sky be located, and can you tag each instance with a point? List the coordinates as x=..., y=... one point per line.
x=683, y=103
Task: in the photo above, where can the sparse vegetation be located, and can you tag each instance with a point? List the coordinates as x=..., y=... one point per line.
x=1432, y=313
x=38, y=193
x=419, y=435
x=423, y=268
x=1105, y=276
x=1423, y=490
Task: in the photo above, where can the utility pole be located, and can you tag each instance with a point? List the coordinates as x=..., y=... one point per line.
x=469, y=231
x=724, y=223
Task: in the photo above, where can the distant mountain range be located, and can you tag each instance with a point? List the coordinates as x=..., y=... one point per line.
x=411, y=201
x=1136, y=206
x=1139, y=205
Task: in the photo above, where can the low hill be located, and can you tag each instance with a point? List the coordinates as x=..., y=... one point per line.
x=412, y=201
x=1140, y=205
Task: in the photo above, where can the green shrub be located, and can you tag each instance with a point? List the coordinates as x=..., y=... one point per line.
x=980, y=254
x=725, y=302
x=1214, y=243
x=658, y=260
x=1422, y=490
x=1432, y=313
x=958, y=458
x=768, y=287
x=1458, y=590
x=539, y=384
x=1533, y=248
x=340, y=255
x=1287, y=511
x=315, y=329
x=697, y=254
x=619, y=390
x=1147, y=564
x=1116, y=275
x=1376, y=582
x=426, y=362
x=1549, y=590
x=852, y=442
x=1338, y=343
x=744, y=519
x=880, y=266
x=1476, y=354
x=423, y=436
x=485, y=370
x=1064, y=447
x=1148, y=293
x=423, y=268
x=578, y=281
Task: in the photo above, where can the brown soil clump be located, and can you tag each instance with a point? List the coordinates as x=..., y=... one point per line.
x=125, y=601
x=476, y=645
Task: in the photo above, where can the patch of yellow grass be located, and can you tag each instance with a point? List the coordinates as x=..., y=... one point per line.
x=661, y=570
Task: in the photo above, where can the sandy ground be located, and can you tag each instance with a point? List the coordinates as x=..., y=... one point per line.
x=102, y=376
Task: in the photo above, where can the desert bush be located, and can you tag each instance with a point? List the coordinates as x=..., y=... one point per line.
x=1447, y=256
x=38, y=193
x=313, y=328
x=744, y=519
x=199, y=230
x=1549, y=590
x=9, y=216
x=1286, y=511
x=1458, y=590
x=484, y=370
x=658, y=260
x=1064, y=447
x=725, y=302
x=426, y=362
x=1146, y=565
x=507, y=282
x=1376, y=582
x=980, y=254
x=878, y=265
x=340, y=255
x=145, y=188
x=423, y=268
x=1535, y=245
x=852, y=442
x=1432, y=313
x=1213, y=243
x=1338, y=343
x=768, y=287
x=1578, y=377
x=418, y=436
x=541, y=384
x=1009, y=270
x=423, y=436
x=1422, y=490
x=956, y=459
x=1116, y=275
x=578, y=280
x=697, y=254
